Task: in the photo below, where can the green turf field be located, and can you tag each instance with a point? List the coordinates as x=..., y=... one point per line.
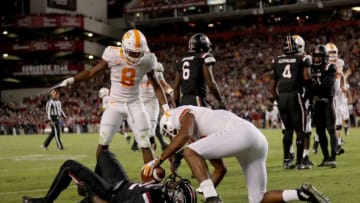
x=25, y=169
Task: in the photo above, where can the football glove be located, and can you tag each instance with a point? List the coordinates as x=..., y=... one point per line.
x=64, y=83
x=148, y=168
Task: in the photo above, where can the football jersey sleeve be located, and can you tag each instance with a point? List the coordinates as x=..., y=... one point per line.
x=307, y=61
x=208, y=58
x=110, y=54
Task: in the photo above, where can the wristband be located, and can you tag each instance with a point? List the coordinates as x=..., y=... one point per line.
x=165, y=107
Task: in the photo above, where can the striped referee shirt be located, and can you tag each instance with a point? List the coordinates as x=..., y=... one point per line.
x=53, y=109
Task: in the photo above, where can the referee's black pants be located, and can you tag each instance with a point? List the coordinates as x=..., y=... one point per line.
x=55, y=133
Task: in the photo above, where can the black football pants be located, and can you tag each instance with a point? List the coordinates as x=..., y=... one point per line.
x=324, y=119
x=293, y=116
x=111, y=170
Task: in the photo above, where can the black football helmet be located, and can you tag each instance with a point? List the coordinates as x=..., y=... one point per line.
x=290, y=46
x=199, y=42
x=320, y=55
x=179, y=190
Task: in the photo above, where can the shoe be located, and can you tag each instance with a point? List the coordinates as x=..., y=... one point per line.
x=332, y=164
x=309, y=193
x=340, y=150
x=213, y=200
x=315, y=147
x=300, y=167
x=287, y=164
x=42, y=146
x=26, y=199
x=324, y=163
x=307, y=162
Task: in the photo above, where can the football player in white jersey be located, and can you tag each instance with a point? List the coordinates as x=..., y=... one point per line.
x=207, y=134
x=340, y=100
x=128, y=64
x=151, y=103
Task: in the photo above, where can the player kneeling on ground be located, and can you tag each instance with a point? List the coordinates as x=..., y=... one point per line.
x=216, y=134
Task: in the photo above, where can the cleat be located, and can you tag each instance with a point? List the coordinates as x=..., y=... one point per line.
x=307, y=162
x=339, y=150
x=213, y=200
x=287, y=164
x=42, y=146
x=332, y=164
x=324, y=163
x=309, y=193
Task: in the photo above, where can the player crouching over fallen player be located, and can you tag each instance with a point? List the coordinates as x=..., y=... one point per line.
x=216, y=134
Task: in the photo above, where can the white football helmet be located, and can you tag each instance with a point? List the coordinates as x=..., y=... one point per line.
x=166, y=127
x=134, y=46
x=103, y=92
x=299, y=41
x=332, y=50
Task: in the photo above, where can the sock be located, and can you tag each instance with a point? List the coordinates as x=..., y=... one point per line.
x=208, y=188
x=305, y=153
x=290, y=195
x=316, y=138
x=339, y=141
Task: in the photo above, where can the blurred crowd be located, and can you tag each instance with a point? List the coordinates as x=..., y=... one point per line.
x=242, y=70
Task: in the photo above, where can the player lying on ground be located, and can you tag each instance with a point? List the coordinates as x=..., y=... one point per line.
x=114, y=185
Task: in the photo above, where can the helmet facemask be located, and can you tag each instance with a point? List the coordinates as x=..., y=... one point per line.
x=166, y=127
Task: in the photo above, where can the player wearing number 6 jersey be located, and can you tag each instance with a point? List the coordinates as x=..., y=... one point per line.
x=128, y=65
x=291, y=75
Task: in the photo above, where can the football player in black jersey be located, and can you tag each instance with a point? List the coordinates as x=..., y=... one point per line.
x=323, y=82
x=114, y=185
x=194, y=74
x=291, y=75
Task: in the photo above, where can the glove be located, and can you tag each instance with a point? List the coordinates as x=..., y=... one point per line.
x=64, y=83
x=148, y=168
x=222, y=104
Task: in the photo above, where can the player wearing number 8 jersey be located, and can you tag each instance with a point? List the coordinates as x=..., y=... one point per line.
x=291, y=75
x=128, y=65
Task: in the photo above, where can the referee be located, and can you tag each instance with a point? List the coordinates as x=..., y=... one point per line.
x=54, y=111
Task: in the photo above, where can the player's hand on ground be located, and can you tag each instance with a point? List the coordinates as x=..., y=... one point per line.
x=148, y=168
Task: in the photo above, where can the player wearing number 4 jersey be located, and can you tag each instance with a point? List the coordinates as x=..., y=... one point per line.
x=291, y=75
x=128, y=65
